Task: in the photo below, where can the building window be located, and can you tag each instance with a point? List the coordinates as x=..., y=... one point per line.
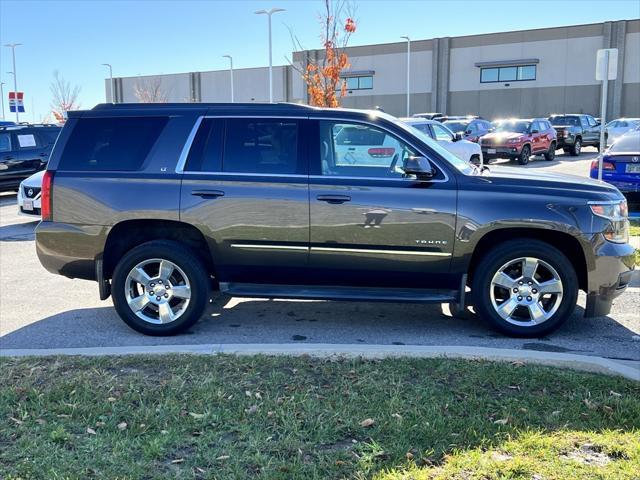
x=508, y=74
x=358, y=83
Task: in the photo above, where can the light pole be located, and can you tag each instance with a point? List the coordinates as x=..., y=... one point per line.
x=268, y=13
x=231, y=72
x=13, y=46
x=113, y=99
x=408, y=74
x=2, y=98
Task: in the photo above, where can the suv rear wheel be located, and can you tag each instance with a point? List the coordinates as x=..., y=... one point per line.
x=576, y=148
x=551, y=153
x=160, y=288
x=525, y=288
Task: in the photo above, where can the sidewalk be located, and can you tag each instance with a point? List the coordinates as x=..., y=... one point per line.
x=627, y=369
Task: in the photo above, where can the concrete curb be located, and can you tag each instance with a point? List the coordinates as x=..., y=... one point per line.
x=564, y=360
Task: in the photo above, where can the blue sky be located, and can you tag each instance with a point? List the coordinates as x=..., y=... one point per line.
x=149, y=37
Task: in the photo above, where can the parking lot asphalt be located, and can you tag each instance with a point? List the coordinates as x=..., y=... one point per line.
x=41, y=310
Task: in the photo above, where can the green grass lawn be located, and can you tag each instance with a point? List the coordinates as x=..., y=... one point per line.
x=635, y=227
x=226, y=417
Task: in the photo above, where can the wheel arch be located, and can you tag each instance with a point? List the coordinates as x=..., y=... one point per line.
x=565, y=242
x=130, y=233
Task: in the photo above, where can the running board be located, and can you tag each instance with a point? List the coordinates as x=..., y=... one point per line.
x=324, y=292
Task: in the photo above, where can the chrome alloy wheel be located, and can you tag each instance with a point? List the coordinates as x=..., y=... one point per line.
x=526, y=291
x=157, y=291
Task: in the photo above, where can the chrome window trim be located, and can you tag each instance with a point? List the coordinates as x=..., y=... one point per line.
x=381, y=127
x=182, y=160
x=245, y=174
x=194, y=130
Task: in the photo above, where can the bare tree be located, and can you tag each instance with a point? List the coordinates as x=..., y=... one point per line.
x=323, y=76
x=150, y=91
x=64, y=96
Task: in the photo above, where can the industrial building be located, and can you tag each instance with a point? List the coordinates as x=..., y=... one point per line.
x=522, y=73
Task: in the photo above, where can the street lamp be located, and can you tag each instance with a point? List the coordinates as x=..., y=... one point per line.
x=268, y=13
x=2, y=98
x=13, y=46
x=408, y=74
x=231, y=72
x=113, y=99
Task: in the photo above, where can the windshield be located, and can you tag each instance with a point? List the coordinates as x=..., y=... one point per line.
x=563, y=121
x=629, y=143
x=461, y=165
x=509, y=126
x=457, y=126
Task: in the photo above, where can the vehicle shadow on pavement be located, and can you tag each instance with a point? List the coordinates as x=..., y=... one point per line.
x=253, y=321
x=18, y=232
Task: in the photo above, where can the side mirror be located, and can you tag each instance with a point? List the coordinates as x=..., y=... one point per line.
x=467, y=132
x=535, y=131
x=418, y=166
x=457, y=136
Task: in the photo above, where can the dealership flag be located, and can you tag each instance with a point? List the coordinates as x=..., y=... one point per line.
x=16, y=100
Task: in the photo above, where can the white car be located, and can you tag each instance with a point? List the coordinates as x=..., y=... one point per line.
x=617, y=128
x=463, y=149
x=29, y=195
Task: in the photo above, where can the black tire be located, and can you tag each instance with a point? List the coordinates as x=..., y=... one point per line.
x=502, y=254
x=525, y=155
x=186, y=261
x=550, y=155
x=576, y=148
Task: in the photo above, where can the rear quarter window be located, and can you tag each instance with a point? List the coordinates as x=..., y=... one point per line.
x=110, y=144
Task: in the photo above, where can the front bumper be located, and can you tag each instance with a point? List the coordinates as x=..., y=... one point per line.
x=500, y=151
x=35, y=211
x=609, y=273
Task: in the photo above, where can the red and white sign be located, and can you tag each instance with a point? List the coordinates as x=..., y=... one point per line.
x=16, y=101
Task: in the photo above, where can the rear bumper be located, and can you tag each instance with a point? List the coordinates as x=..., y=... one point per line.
x=609, y=273
x=70, y=250
x=624, y=183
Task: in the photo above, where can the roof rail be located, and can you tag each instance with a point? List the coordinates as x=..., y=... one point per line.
x=124, y=106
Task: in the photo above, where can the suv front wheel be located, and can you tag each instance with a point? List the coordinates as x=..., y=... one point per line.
x=160, y=288
x=525, y=288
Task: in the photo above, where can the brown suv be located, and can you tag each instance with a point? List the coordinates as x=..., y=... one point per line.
x=520, y=140
x=162, y=203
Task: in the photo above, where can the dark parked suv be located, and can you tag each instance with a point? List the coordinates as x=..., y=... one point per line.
x=162, y=203
x=24, y=150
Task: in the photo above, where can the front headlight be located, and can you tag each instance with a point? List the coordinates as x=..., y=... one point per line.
x=514, y=140
x=617, y=213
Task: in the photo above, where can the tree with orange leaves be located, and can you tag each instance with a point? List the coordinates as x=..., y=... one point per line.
x=325, y=85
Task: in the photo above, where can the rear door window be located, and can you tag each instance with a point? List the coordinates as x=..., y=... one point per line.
x=111, y=143
x=5, y=142
x=206, y=151
x=49, y=136
x=268, y=146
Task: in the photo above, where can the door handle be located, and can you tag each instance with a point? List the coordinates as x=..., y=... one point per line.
x=334, y=199
x=208, y=193
x=44, y=154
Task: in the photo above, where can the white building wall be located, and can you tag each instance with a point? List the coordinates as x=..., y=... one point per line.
x=175, y=87
x=250, y=85
x=563, y=62
x=632, y=58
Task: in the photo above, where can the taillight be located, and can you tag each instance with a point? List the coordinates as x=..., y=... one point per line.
x=381, y=152
x=605, y=165
x=45, y=196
